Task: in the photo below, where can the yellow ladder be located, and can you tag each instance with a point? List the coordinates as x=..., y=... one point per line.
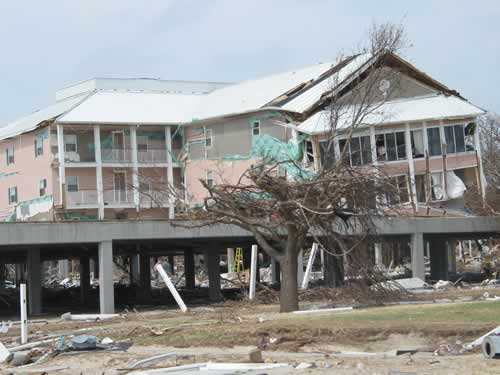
x=238, y=260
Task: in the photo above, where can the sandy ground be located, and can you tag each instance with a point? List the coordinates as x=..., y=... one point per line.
x=228, y=333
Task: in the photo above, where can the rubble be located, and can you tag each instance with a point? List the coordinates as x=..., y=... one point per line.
x=441, y=284
x=83, y=342
x=491, y=347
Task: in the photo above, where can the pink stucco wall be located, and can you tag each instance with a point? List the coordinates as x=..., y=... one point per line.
x=28, y=169
x=223, y=172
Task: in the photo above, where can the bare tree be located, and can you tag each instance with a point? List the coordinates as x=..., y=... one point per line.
x=284, y=204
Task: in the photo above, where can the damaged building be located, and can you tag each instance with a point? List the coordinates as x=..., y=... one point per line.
x=136, y=149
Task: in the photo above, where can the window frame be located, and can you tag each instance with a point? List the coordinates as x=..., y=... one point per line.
x=10, y=195
x=75, y=143
x=210, y=179
x=42, y=185
x=8, y=155
x=361, y=150
x=429, y=148
x=396, y=181
x=453, y=128
x=258, y=128
x=38, y=147
x=77, y=184
x=394, y=134
x=211, y=138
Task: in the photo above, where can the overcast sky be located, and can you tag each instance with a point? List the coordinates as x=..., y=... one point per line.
x=46, y=45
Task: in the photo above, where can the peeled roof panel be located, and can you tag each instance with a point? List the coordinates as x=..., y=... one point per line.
x=398, y=111
x=134, y=107
x=250, y=95
x=311, y=96
x=32, y=121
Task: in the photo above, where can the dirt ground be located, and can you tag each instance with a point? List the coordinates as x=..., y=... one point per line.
x=362, y=341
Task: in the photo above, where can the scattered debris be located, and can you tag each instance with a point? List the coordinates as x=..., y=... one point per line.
x=5, y=354
x=479, y=341
x=149, y=361
x=255, y=356
x=442, y=284
x=491, y=347
x=87, y=317
x=84, y=342
x=107, y=341
x=303, y=366
x=333, y=310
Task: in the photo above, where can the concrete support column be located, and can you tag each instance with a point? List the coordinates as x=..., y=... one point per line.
x=230, y=260
x=135, y=269
x=417, y=256
x=212, y=260
x=300, y=267
x=34, y=276
x=20, y=277
x=106, y=287
x=84, y=278
x=452, y=255
x=98, y=171
x=379, y=259
x=275, y=272
x=333, y=274
x=170, y=173
x=145, y=277
x=439, y=259
x=189, y=271
x=135, y=167
x=63, y=268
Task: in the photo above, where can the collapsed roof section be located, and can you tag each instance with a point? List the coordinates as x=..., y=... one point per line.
x=300, y=93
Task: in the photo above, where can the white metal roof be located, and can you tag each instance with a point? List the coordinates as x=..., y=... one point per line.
x=250, y=95
x=426, y=108
x=31, y=122
x=134, y=108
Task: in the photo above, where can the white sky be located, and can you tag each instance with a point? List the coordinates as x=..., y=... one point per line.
x=49, y=44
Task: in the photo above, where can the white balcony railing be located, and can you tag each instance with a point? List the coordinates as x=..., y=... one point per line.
x=155, y=155
x=123, y=197
x=81, y=198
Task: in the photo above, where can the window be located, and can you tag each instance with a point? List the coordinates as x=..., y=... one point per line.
x=455, y=138
x=437, y=190
x=70, y=143
x=417, y=143
x=38, y=147
x=43, y=186
x=210, y=179
x=256, y=128
x=308, y=153
x=397, y=191
x=72, y=183
x=434, y=141
x=208, y=138
x=391, y=146
x=10, y=155
x=12, y=191
x=142, y=143
x=358, y=151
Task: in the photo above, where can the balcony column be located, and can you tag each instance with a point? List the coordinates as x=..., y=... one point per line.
x=98, y=172
x=135, y=167
x=373, y=144
x=477, y=146
x=170, y=173
x=411, y=166
x=61, y=157
x=443, y=152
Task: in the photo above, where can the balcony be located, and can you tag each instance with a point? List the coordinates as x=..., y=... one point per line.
x=118, y=197
x=116, y=155
x=81, y=198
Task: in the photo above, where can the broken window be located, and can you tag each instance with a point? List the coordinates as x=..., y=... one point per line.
x=421, y=189
x=455, y=138
x=358, y=151
x=398, y=191
x=434, y=141
x=256, y=128
x=417, y=143
x=70, y=144
x=308, y=153
x=72, y=183
x=327, y=150
x=10, y=155
x=12, y=191
x=437, y=186
x=469, y=131
x=391, y=146
x=43, y=186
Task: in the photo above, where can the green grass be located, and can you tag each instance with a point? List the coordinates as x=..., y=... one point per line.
x=474, y=312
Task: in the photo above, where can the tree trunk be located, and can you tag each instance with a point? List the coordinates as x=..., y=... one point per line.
x=289, y=299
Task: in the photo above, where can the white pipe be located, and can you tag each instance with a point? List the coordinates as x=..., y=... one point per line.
x=307, y=276
x=253, y=272
x=159, y=268
x=24, y=315
x=479, y=341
